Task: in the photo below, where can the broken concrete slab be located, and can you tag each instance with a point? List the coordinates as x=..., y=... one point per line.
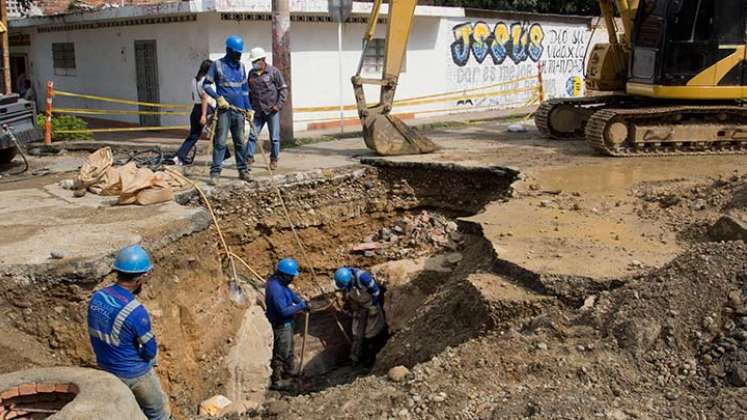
x=37, y=222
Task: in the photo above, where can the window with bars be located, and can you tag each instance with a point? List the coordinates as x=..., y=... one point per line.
x=63, y=58
x=373, y=58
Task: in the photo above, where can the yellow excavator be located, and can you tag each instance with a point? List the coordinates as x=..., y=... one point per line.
x=673, y=83
x=676, y=80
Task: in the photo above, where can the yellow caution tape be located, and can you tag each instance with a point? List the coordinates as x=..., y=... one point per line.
x=417, y=98
x=118, y=130
x=82, y=111
x=120, y=101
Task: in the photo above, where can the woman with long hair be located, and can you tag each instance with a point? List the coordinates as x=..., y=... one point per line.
x=203, y=105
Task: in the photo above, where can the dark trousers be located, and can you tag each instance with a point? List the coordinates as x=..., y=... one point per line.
x=195, y=130
x=282, y=352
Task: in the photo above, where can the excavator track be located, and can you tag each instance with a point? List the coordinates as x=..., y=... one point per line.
x=565, y=118
x=669, y=131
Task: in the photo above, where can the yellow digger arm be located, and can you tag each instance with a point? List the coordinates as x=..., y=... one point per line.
x=383, y=132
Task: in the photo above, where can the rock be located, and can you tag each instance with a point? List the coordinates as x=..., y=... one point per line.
x=735, y=298
x=738, y=377
x=545, y=203
x=730, y=227
x=57, y=255
x=398, y=373
x=456, y=236
x=365, y=246
x=214, y=405
x=440, y=397
x=589, y=303
x=79, y=193
x=698, y=204
x=454, y=258
x=451, y=226
x=517, y=128
x=238, y=408
x=541, y=346
x=67, y=184
x=638, y=335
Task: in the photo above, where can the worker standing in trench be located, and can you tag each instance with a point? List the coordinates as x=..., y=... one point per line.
x=366, y=301
x=282, y=306
x=121, y=335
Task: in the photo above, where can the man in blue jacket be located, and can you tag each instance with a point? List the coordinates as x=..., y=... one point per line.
x=121, y=334
x=365, y=299
x=226, y=82
x=282, y=305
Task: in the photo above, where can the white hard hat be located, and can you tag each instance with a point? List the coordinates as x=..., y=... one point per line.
x=256, y=54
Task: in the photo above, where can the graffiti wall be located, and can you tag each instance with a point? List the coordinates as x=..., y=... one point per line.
x=483, y=53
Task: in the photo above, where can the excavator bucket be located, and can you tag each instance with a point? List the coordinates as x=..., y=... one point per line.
x=387, y=135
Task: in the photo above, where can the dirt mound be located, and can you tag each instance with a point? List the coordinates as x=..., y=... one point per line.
x=634, y=352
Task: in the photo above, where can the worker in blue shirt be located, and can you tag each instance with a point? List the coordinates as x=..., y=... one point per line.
x=282, y=304
x=121, y=334
x=365, y=299
x=226, y=82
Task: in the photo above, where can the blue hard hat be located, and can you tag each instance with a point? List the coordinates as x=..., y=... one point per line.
x=343, y=277
x=133, y=260
x=235, y=43
x=288, y=266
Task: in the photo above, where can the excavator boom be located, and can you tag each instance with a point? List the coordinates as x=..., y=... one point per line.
x=384, y=133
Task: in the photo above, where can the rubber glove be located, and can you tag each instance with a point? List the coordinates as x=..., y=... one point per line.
x=222, y=103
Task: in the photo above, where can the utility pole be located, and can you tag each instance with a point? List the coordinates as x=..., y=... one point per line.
x=5, y=46
x=281, y=58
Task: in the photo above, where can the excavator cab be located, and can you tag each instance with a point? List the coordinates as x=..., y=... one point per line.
x=689, y=49
x=675, y=82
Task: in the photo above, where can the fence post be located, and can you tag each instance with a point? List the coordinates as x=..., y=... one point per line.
x=541, y=83
x=48, y=120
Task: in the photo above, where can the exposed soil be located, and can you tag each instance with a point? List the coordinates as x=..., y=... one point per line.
x=546, y=304
x=633, y=354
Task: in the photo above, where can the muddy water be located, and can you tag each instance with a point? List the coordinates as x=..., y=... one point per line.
x=581, y=219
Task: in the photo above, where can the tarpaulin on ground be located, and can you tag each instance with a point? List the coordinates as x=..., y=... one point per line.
x=133, y=185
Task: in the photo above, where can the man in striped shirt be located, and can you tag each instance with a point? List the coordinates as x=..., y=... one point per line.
x=121, y=334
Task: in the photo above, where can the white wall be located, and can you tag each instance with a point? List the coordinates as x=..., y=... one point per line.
x=105, y=64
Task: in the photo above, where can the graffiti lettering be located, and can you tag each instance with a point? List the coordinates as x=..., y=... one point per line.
x=519, y=42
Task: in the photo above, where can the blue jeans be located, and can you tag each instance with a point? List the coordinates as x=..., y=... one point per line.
x=273, y=125
x=195, y=131
x=234, y=121
x=149, y=395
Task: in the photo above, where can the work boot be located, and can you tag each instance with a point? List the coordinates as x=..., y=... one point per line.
x=273, y=164
x=250, y=161
x=214, y=180
x=281, y=385
x=245, y=176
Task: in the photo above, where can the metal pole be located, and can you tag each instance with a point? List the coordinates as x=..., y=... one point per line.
x=339, y=59
x=5, y=47
x=281, y=58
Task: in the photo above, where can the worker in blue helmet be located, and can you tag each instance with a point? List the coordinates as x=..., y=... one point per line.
x=365, y=299
x=121, y=335
x=282, y=304
x=226, y=82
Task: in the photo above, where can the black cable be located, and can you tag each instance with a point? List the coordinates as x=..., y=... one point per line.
x=9, y=131
x=142, y=160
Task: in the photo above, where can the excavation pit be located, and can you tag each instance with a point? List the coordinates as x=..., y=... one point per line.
x=358, y=216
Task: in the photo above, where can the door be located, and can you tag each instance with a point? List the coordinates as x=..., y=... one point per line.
x=146, y=69
x=18, y=71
